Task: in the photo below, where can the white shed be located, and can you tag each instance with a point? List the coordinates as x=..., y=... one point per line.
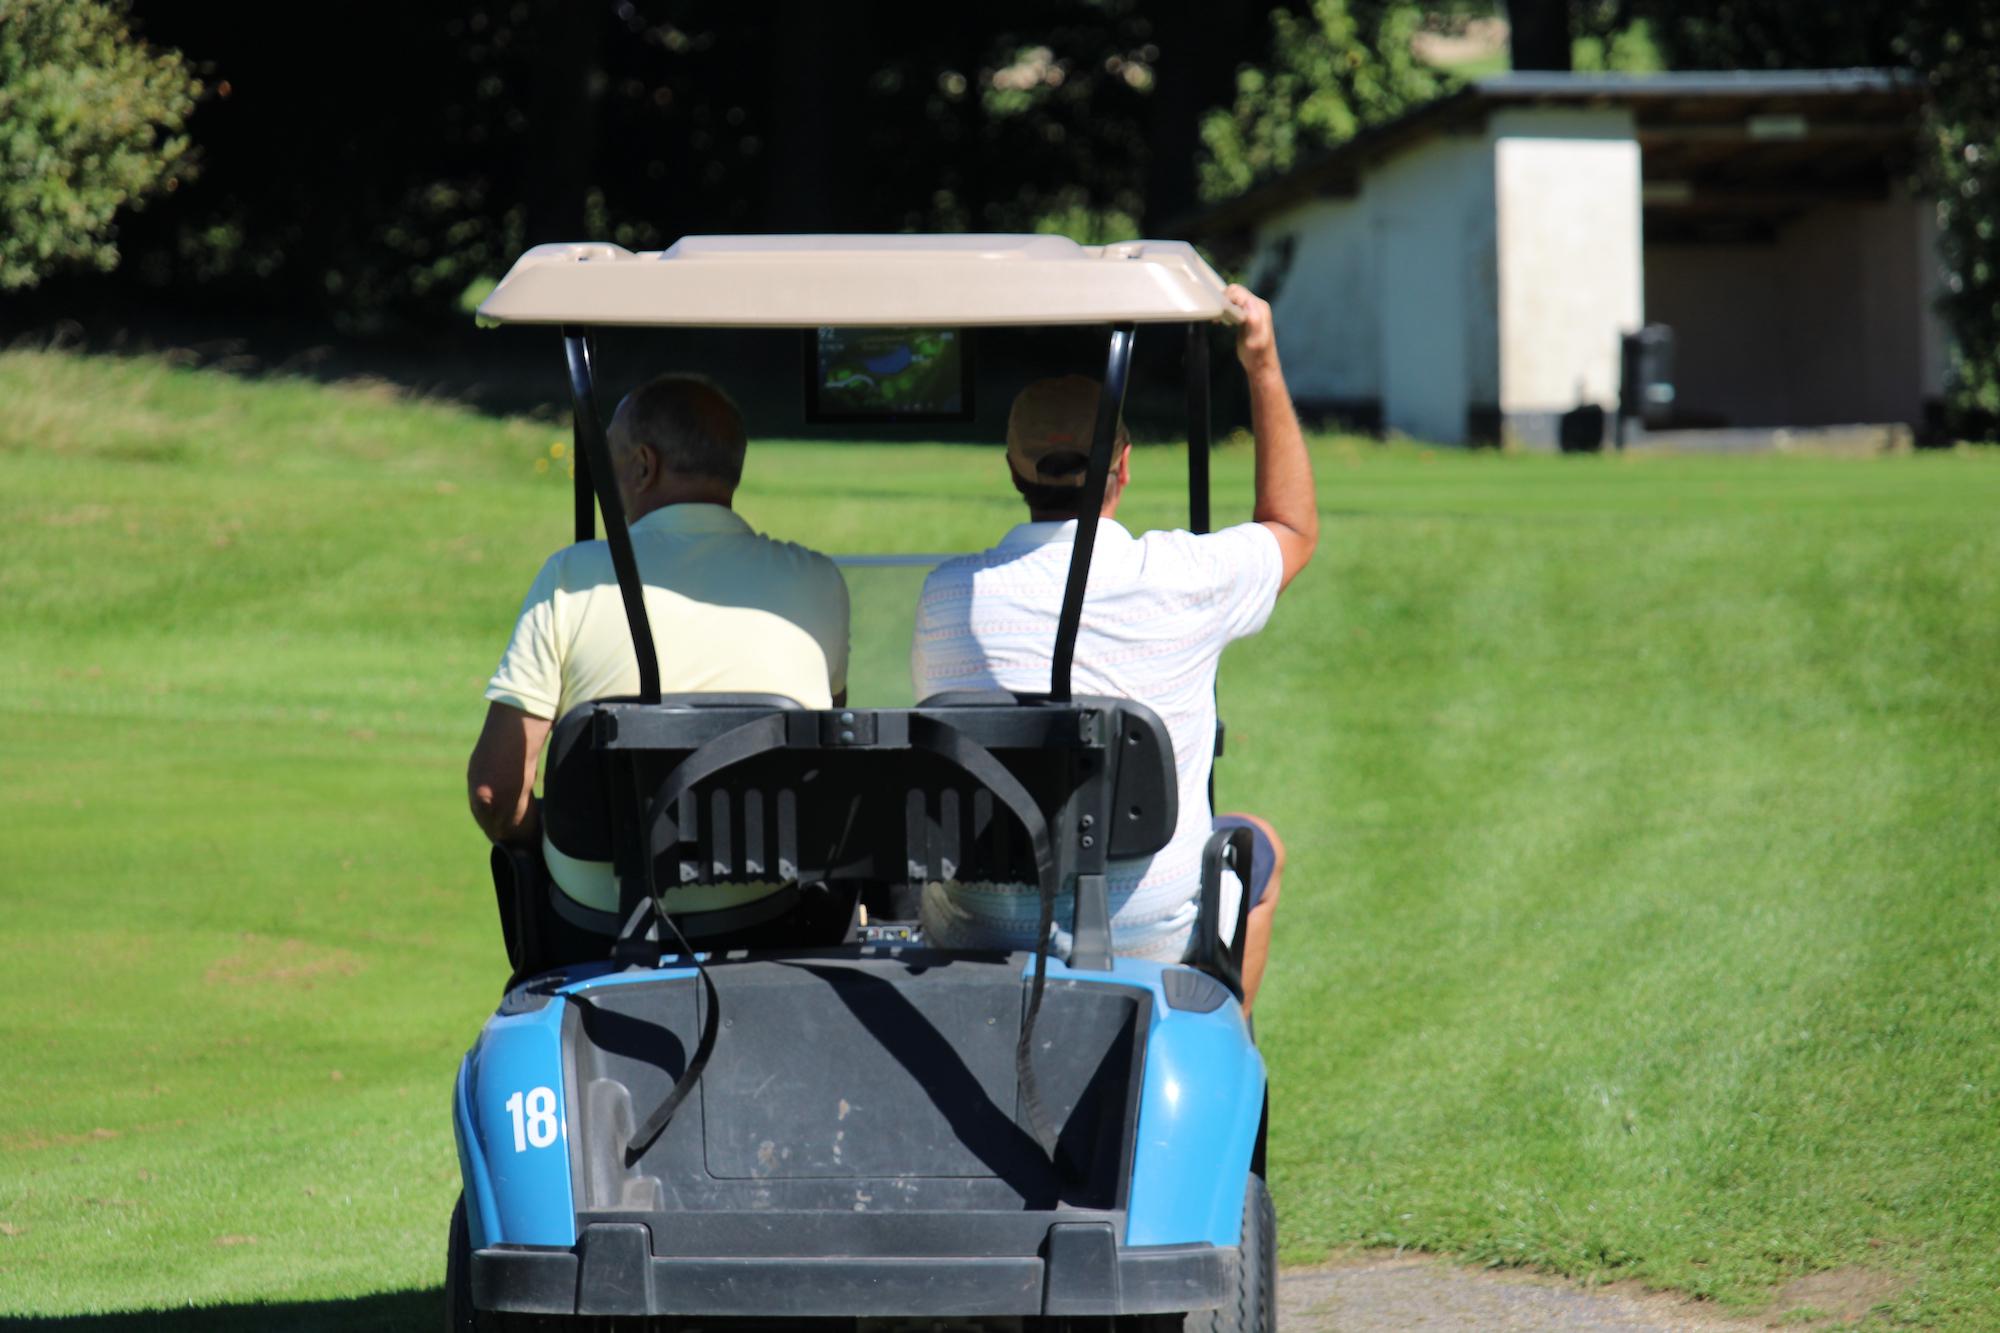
x=1465, y=273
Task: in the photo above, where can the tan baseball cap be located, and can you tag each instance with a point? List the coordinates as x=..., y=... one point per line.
x=1048, y=430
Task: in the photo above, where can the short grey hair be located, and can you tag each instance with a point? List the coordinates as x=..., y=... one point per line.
x=689, y=422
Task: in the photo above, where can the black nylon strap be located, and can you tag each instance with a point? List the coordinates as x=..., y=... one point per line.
x=642, y=1137
x=926, y=734
x=731, y=748
x=978, y=762
x=725, y=751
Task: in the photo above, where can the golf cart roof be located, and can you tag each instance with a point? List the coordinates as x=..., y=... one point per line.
x=892, y=281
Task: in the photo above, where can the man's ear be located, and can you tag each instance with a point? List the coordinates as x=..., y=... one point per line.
x=1124, y=465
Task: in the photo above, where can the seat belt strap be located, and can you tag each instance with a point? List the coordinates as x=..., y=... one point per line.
x=642, y=1137
x=732, y=747
x=931, y=736
x=979, y=763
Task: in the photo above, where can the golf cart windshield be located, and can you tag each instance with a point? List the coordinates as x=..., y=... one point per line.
x=906, y=283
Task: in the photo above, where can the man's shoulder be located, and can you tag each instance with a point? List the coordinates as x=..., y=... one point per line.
x=997, y=571
x=1182, y=539
x=1237, y=543
x=578, y=565
x=800, y=561
x=1169, y=541
x=958, y=568
x=764, y=541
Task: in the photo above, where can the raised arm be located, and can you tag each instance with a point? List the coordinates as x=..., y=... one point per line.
x=1286, y=503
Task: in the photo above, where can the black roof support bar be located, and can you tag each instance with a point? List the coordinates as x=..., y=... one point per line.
x=584, y=500
x=1199, y=439
x=1198, y=427
x=595, y=457
x=1110, y=402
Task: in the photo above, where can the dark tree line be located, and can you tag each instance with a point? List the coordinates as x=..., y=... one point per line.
x=371, y=162
x=375, y=161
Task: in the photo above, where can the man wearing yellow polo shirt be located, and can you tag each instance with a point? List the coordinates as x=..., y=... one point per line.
x=731, y=610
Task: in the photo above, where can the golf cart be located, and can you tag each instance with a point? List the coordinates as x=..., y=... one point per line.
x=794, y=1111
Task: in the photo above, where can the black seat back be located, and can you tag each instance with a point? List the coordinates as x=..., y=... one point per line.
x=577, y=815
x=873, y=795
x=1145, y=791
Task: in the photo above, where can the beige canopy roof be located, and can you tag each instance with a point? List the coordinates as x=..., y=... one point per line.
x=808, y=281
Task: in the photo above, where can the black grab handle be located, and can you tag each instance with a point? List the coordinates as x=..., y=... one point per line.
x=1226, y=850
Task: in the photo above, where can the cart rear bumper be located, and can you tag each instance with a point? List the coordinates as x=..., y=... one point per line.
x=1081, y=1271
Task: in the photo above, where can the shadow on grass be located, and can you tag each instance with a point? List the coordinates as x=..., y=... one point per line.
x=387, y=1312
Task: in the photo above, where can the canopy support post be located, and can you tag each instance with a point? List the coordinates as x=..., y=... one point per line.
x=585, y=501
x=1199, y=437
x=595, y=462
x=1103, y=441
x=1199, y=440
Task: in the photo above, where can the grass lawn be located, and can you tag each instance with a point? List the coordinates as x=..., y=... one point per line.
x=1643, y=819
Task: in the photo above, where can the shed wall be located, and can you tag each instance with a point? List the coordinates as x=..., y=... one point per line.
x=1432, y=212
x=1570, y=261
x=1384, y=302
x=1316, y=264
x=1478, y=283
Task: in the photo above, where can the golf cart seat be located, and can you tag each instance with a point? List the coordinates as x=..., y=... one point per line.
x=831, y=809
x=1225, y=861
x=542, y=926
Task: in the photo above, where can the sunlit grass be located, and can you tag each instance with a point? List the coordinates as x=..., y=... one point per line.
x=1641, y=814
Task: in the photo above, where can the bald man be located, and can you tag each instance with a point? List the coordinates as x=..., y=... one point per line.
x=731, y=609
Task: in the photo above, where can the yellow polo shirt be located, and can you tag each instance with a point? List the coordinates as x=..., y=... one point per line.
x=731, y=610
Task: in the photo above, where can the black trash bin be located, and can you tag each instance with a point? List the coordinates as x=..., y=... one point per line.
x=1646, y=378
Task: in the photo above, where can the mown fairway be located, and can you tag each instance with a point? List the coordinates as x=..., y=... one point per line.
x=1644, y=820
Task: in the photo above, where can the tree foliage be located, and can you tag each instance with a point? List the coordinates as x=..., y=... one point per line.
x=404, y=153
x=1334, y=69
x=90, y=122
x=374, y=180
x=1956, y=54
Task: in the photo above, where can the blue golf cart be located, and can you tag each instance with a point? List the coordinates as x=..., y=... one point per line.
x=793, y=1112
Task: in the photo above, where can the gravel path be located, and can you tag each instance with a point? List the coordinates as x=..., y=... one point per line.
x=1416, y=1294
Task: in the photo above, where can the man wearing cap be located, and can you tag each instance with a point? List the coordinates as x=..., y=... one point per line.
x=1159, y=610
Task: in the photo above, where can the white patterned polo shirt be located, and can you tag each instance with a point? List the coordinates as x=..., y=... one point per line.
x=1158, y=612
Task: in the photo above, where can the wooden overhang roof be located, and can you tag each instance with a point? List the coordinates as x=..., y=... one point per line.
x=1731, y=146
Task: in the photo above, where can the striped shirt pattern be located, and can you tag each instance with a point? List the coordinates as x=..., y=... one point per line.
x=1159, y=610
